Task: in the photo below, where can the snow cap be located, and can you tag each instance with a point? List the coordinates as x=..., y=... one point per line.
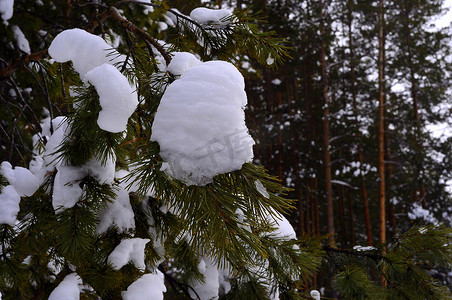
x=117, y=98
x=200, y=124
x=85, y=50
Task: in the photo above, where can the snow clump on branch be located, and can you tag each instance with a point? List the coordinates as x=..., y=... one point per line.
x=88, y=54
x=208, y=16
x=200, y=122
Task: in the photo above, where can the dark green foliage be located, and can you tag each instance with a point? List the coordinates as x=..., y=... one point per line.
x=228, y=220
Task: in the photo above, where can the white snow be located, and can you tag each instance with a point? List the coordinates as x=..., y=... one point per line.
x=270, y=60
x=148, y=286
x=26, y=183
x=21, y=183
x=262, y=190
x=283, y=229
x=118, y=213
x=21, y=40
x=60, y=132
x=315, y=294
x=6, y=170
x=68, y=289
x=9, y=203
x=181, y=62
x=6, y=10
x=418, y=212
x=116, y=97
x=66, y=189
x=129, y=250
x=200, y=124
x=204, y=15
x=85, y=50
x=363, y=248
x=209, y=289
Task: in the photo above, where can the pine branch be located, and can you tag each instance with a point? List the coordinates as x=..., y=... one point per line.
x=18, y=63
x=375, y=257
x=135, y=29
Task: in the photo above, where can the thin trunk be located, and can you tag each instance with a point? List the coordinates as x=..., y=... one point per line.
x=342, y=215
x=381, y=106
x=364, y=197
x=351, y=218
x=388, y=176
x=315, y=203
x=300, y=210
x=418, y=193
x=326, y=131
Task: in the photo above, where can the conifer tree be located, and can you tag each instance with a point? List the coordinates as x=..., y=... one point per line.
x=140, y=181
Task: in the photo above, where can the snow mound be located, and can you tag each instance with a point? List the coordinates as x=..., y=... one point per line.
x=68, y=289
x=208, y=289
x=200, y=124
x=66, y=188
x=21, y=40
x=9, y=203
x=60, y=132
x=129, y=250
x=118, y=213
x=148, y=286
x=85, y=50
x=283, y=229
x=181, y=62
x=204, y=15
x=21, y=183
x=6, y=10
x=116, y=97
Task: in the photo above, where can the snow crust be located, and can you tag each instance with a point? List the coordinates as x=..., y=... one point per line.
x=200, y=124
x=21, y=40
x=129, y=250
x=86, y=51
x=204, y=15
x=6, y=10
x=148, y=286
x=181, y=62
x=68, y=289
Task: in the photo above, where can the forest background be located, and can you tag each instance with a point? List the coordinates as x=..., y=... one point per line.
x=352, y=120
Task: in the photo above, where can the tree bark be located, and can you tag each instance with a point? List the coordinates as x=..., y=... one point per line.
x=326, y=131
x=364, y=197
x=381, y=134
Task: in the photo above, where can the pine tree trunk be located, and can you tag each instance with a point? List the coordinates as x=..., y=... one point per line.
x=381, y=109
x=364, y=197
x=419, y=187
x=326, y=131
x=351, y=218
